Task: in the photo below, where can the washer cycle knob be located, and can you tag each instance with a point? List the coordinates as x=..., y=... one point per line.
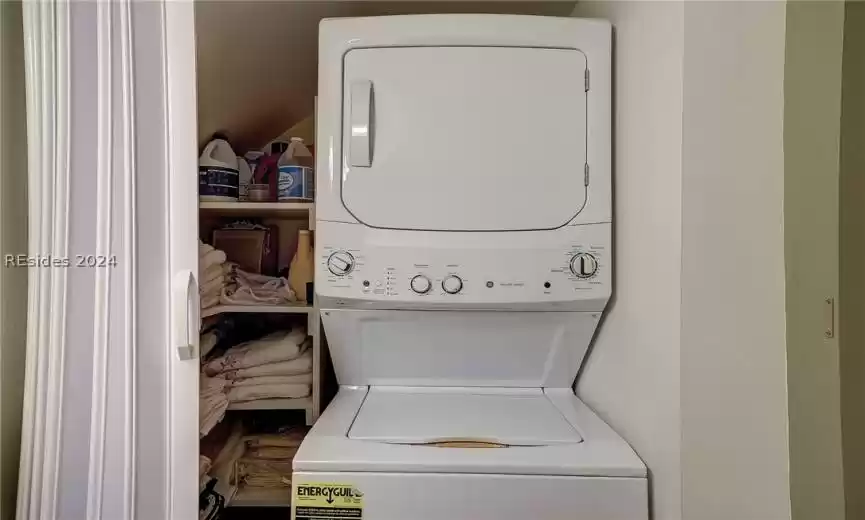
x=340, y=263
x=421, y=284
x=584, y=265
x=452, y=284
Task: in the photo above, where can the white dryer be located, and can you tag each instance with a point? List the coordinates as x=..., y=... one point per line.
x=464, y=259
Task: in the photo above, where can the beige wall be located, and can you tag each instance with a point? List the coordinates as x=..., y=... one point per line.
x=690, y=363
x=852, y=260
x=734, y=398
x=13, y=239
x=812, y=137
x=631, y=377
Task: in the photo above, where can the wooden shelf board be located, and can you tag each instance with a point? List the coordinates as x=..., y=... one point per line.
x=251, y=497
x=299, y=308
x=258, y=209
x=303, y=403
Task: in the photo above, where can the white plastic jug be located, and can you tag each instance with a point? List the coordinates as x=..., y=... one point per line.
x=218, y=175
x=296, y=172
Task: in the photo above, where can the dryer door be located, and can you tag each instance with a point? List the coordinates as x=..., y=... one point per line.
x=462, y=138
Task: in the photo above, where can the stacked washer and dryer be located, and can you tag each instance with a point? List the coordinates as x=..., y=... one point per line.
x=464, y=260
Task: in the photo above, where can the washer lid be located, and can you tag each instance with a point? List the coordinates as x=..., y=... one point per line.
x=461, y=417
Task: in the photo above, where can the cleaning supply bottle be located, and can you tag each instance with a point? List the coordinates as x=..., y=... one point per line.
x=218, y=175
x=296, y=173
x=244, y=178
x=300, y=271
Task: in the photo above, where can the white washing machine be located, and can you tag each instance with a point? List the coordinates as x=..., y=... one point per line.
x=463, y=244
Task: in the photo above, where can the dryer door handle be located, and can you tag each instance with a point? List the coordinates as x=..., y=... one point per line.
x=186, y=314
x=360, y=141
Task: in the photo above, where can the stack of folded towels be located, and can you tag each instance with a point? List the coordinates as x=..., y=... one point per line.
x=222, y=282
x=276, y=366
x=213, y=274
x=266, y=463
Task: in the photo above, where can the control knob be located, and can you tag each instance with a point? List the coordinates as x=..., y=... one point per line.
x=452, y=284
x=584, y=265
x=340, y=263
x=420, y=284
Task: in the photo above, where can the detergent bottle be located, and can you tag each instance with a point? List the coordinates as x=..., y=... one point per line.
x=295, y=181
x=218, y=175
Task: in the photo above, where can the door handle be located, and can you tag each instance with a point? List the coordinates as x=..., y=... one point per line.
x=360, y=143
x=186, y=314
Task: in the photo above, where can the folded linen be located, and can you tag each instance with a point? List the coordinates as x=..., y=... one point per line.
x=303, y=379
x=206, y=342
x=279, y=346
x=211, y=412
x=214, y=271
x=212, y=403
x=257, y=289
x=214, y=257
x=214, y=286
x=299, y=365
x=289, y=439
x=209, y=301
x=203, y=466
x=251, y=393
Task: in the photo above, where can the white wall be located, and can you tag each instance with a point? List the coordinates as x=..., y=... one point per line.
x=632, y=375
x=13, y=239
x=690, y=363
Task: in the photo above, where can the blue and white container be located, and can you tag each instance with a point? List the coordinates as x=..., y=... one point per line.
x=296, y=179
x=218, y=175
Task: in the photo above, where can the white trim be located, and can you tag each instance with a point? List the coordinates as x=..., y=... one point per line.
x=104, y=165
x=59, y=289
x=130, y=249
x=46, y=30
x=181, y=144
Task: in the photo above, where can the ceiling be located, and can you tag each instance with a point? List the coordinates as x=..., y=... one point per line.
x=257, y=65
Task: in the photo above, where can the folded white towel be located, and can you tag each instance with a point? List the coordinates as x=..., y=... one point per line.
x=212, y=403
x=279, y=346
x=251, y=393
x=304, y=379
x=208, y=301
x=214, y=286
x=300, y=365
x=214, y=271
x=206, y=343
x=212, y=258
x=203, y=465
x=203, y=248
x=257, y=289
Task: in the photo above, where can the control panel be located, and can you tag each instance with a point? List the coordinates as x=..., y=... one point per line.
x=576, y=268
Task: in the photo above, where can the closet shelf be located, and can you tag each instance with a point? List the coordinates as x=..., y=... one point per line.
x=303, y=403
x=300, y=308
x=258, y=209
x=252, y=497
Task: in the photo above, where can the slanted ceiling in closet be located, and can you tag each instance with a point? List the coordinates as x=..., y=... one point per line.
x=257, y=60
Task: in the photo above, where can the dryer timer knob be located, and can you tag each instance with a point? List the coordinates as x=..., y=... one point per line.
x=584, y=265
x=340, y=263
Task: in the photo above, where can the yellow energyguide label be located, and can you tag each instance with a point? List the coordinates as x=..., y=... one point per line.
x=326, y=501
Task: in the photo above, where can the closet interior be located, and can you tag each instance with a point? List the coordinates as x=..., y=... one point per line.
x=265, y=375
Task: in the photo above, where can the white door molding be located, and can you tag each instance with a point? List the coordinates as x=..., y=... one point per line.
x=101, y=385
